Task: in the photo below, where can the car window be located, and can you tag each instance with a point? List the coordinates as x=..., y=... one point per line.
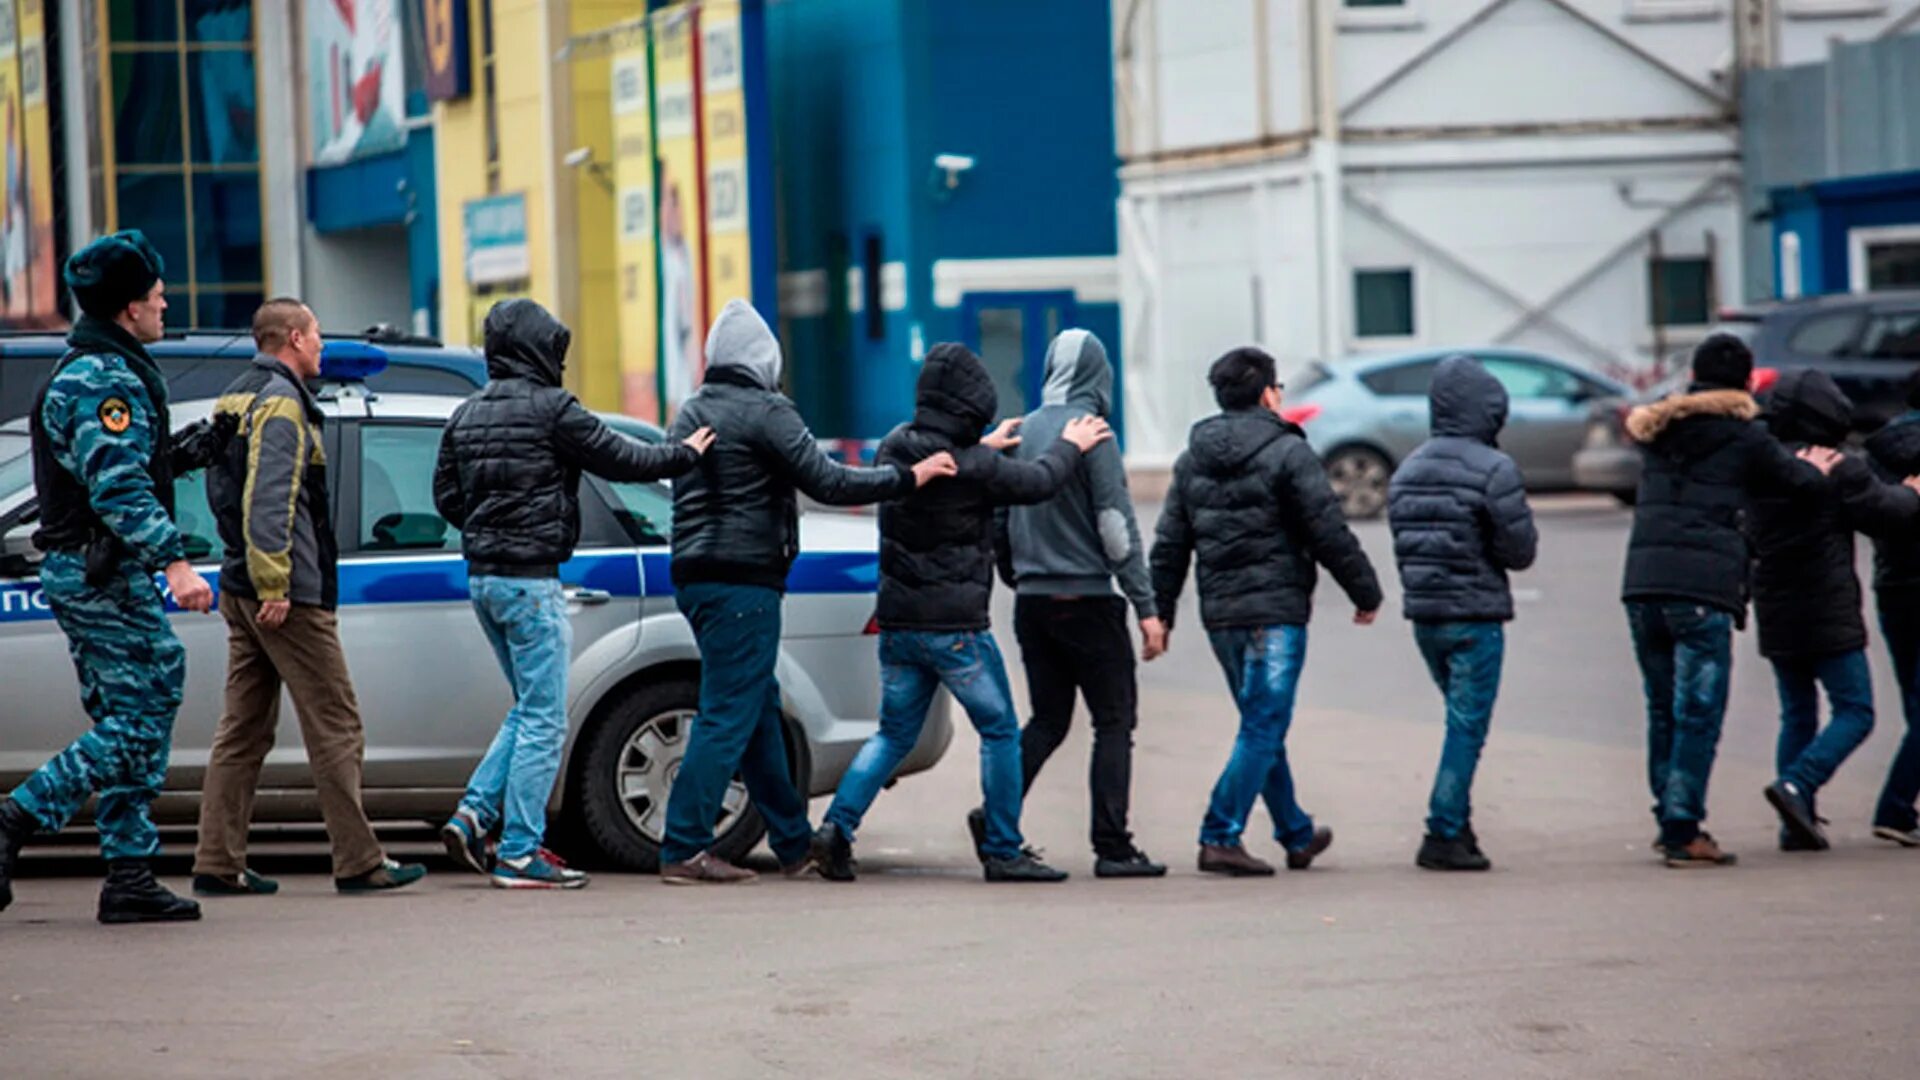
x=1826, y=334
x=1402, y=379
x=20, y=379
x=16, y=465
x=1892, y=335
x=1527, y=379
x=194, y=518
x=646, y=510
x=396, y=490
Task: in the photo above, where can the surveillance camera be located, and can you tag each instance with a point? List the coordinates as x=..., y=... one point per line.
x=579, y=158
x=952, y=163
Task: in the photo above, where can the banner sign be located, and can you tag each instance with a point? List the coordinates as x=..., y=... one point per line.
x=723, y=135
x=356, y=90
x=449, y=54
x=28, y=296
x=495, y=229
x=633, y=162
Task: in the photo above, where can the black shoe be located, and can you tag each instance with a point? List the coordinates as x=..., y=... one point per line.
x=1022, y=867
x=977, y=828
x=833, y=853
x=15, y=827
x=386, y=877
x=1301, y=858
x=245, y=883
x=133, y=895
x=1135, y=864
x=1795, y=808
x=1459, y=853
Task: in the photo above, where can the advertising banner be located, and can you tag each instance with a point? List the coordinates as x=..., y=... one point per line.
x=723, y=134
x=449, y=54
x=495, y=228
x=683, y=310
x=639, y=282
x=356, y=91
x=27, y=284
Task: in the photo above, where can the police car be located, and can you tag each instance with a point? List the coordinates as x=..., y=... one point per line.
x=431, y=694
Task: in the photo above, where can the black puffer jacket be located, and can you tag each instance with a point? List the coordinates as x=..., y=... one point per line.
x=1806, y=595
x=1458, y=505
x=735, y=519
x=1702, y=457
x=1895, y=452
x=510, y=462
x=1251, y=501
x=936, y=545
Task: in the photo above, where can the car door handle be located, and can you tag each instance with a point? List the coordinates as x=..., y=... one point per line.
x=575, y=594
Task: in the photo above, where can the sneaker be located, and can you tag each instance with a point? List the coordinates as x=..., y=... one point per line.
x=1456, y=853
x=1233, y=860
x=1022, y=867
x=244, y=883
x=1700, y=851
x=133, y=895
x=1302, y=857
x=706, y=868
x=1907, y=838
x=1134, y=865
x=536, y=871
x=467, y=843
x=386, y=877
x=1795, y=808
x=833, y=853
x=15, y=827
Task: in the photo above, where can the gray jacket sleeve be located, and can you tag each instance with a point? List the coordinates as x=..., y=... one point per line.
x=1119, y=530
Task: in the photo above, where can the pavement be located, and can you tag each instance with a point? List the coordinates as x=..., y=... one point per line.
x=1577, y=956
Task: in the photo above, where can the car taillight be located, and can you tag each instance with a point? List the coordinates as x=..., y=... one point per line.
x=873, y=626
x=1763, y=379
x=1299, y=414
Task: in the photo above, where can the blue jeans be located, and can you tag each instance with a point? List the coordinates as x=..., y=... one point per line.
x=1805, y=754
x=1262, y=665
x=1896, y=810
x=739, y=727
x=1464, y=658
x=1685, y=652
x=525, y=620
x=912, y=665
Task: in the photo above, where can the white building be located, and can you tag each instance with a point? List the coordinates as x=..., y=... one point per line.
x=1324, y=177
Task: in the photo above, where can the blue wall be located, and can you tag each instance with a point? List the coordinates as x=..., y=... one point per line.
x=1826, y=213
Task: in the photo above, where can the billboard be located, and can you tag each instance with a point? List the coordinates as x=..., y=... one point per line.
x=356, y=89
x=28, y=294
x=633, y=165
x=449, y=55
x=683, y=309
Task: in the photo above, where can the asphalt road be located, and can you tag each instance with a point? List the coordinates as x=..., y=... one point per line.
x=1577, y=957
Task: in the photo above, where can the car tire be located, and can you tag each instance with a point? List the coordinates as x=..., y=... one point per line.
x=1359, y=476
x=633, y=745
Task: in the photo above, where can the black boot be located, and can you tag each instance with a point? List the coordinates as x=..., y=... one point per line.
x=132, y=895
x=1457, y=853
x=15, y=827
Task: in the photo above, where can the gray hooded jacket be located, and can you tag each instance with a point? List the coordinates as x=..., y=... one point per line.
x=1076, y=543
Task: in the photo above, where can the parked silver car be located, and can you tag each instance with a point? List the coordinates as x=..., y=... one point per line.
x=1365, y=414
x=430, y=691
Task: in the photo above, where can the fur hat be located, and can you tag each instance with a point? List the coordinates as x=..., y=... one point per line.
x=1722, y=362
x=112, y=272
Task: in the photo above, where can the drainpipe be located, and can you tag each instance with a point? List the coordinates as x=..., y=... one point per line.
x=1324, y=162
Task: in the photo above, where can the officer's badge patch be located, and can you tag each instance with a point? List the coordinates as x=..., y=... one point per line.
x=115, y=415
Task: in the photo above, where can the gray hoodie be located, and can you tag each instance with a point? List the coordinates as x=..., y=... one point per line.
x=1076, y=543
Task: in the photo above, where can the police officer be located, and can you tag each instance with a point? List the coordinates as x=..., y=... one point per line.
x=104, y=459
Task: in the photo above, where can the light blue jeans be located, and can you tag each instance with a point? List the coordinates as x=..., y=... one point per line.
x=1262, y=665
x=525, y=620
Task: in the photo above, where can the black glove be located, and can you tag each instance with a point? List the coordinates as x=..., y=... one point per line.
x=203, y=442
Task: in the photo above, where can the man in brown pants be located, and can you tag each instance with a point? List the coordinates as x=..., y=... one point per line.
x=278, y=588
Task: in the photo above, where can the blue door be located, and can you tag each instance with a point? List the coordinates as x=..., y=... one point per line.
x=1010, y=331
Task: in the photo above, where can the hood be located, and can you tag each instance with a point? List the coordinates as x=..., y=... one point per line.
x=743, y=343
x=1807, y=406
x=954, y=395
x=1897, y=446
x=525, y=341
x=1467, y=402
x=1078, y=373
x=1221, y=445
x=1648, y=422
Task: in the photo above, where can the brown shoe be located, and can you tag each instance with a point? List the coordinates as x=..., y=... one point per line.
x=803, y=867
x=1702, y=851
x=706, y=869
x=1232, y=861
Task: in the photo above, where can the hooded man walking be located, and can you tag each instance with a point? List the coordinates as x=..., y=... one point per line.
x=1062, y=556
x=1458, y=507
x=1703, y=459
x=736, y=532
x=509, y=479
x=1895, y=453
x=936, y=577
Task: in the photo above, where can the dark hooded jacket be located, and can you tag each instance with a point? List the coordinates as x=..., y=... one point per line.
x=1806, y=595
x=1459, y=507
x=1895, y=453
x=936, y=545
x=1251, y=503
x=1703, y=458
x=510, y=462
x=735, y=518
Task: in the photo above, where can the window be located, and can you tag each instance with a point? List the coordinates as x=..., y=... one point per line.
x=396, y=490
x=1527, y=379
x=1825, y=335
x=1402, y=380
x=646, y=511
x=184, y=159
x=1680, y=291
x=1892, y=335
x=194, y=518
x=1887, y=257
x=1383, y=303
x=1789, y=263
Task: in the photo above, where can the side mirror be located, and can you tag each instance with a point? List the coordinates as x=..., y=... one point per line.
x=18, y=556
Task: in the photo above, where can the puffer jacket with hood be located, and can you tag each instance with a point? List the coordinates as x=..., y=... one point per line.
x=510, y=462
x=735, y=518
x=1458, y=505
x=1806, y=595
x=936, y=545
x=1703, y=457
x=1895, y=453
x=1077, y=542
x=1251, y=503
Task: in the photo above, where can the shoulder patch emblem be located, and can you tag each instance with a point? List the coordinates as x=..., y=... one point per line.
x=116, y=415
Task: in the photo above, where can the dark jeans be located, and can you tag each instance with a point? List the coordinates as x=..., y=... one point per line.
x=1685, y=652
x=738, y=630
x=1902, y=628
x=1464, y=658
x=1262, y=665
x=1081, y=644
x=1807, y=755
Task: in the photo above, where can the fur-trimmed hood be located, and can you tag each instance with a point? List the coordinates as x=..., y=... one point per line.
x=1647, y=422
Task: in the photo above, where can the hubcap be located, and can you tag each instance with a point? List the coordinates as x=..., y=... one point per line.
x=1360, y=480
x=647, y=768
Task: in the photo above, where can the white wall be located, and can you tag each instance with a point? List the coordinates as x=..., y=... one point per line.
x=356, y=279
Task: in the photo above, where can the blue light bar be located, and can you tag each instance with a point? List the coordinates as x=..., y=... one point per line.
x=351, y=361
